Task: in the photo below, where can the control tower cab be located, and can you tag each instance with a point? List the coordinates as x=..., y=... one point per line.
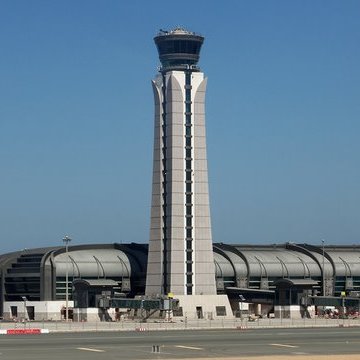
x=178, y=49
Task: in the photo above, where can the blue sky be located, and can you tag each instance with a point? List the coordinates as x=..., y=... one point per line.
x=76, y=119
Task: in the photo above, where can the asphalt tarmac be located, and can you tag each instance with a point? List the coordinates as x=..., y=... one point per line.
x=181, y=344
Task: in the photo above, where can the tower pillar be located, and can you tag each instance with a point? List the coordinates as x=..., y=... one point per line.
x=180, y=258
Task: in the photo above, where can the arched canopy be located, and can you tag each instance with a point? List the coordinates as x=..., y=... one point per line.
x=94, y=263
x=265, y=262
x=346, y=261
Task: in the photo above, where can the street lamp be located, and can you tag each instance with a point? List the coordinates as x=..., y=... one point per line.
x=241, y=305
x=323, y=266
x=24, y=300
x=66, y=241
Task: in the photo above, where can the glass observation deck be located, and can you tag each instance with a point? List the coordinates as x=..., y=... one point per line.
x=178, y=49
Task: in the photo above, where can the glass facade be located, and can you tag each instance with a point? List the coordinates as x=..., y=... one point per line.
x=169, y=46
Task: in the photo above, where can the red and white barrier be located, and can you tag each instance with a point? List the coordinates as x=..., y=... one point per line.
x=242, y=327
x=23, y=331
x=140, y=329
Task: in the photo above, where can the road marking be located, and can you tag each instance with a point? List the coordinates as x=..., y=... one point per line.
x=188, y=347
x=89, y=349
x=284, y=345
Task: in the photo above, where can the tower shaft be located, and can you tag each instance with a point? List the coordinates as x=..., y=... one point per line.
x=180, y=258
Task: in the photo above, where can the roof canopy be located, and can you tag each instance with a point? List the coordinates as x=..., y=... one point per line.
x=95, y=282
x=296, y=282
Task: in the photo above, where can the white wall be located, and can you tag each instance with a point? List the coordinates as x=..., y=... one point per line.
x=207, y=303
x=43, y=310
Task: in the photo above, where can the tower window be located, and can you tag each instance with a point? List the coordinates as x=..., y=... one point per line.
x=188, y=78
x=188, y=187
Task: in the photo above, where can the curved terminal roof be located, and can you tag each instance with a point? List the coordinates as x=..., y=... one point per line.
x=109, y=260
x=285, y=261
x=98, y=263
x=346, y=260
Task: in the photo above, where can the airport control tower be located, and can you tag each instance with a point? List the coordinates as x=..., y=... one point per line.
x=180, y=258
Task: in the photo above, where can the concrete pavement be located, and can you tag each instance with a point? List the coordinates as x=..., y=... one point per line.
x=183, y=344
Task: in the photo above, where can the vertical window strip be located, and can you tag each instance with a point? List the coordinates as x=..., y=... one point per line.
x=164, y=186
x=189, y=199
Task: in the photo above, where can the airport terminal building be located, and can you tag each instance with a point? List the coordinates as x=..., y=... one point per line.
x=264, y=277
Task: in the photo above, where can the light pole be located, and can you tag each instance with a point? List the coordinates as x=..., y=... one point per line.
x=241, y=306
x=323, y=266
x=66, y=241
x=24, y=300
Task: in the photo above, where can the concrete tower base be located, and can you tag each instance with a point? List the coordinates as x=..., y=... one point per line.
x=205, y=306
